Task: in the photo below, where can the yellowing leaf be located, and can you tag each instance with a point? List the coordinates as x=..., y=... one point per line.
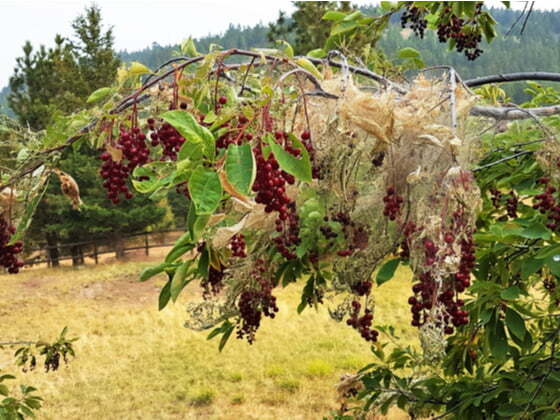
x=305, y=64
x=138, y=68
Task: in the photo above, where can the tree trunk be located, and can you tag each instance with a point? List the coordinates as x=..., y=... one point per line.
x=77, y=255
x=52, y=243
x=119, y=246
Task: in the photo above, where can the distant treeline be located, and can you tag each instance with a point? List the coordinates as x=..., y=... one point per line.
x=535, y=49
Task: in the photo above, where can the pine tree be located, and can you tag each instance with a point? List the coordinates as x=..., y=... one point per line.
x=54, y=82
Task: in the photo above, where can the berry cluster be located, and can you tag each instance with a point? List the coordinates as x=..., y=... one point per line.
x=166, y=136
x=255, y=302
x=547, y=204
x=393, y=203
x=134, y=148
x=213, y=284
x=413, y=17
x=327, y=231
x=237, y=245
x=289, y=230
x=467, y=35
x=428, y=293
x=135, y=152
x=361, y=288
x=378, y=159
x=409, y=229
x=8, y=253
x=362, y=323
x=511, y=206
x=270, y=186
x=115, y=175
x=495, y=196
x=236, y=136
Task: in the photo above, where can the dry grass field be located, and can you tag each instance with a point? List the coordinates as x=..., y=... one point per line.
x=134, y=362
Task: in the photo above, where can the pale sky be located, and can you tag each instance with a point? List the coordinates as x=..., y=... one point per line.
x=137, y=23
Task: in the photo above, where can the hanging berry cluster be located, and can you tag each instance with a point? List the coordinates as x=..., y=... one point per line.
x=546, y=203
x=270, y=186
x=466, y=34
x=237, y=245
x=8, y=253
x=362, y=323
x=166, y=136
x=254, y=302
x=432, y=290
x=213, y=284
x=393, y=203
x=414, y=18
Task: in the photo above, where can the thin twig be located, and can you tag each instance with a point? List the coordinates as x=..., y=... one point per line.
x=527, y=18
x=17, y=343
x=488, y=165
x=517, y=20
x=246, y=75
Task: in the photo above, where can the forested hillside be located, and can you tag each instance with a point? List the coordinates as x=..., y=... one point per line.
x=528, y=51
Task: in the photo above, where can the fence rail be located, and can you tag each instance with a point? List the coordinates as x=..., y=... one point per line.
x=78, y=251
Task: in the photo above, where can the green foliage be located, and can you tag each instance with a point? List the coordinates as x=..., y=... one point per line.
x=60, y=79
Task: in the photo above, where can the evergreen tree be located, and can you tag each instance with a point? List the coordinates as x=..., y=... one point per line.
x=306, y=29
x=60, y=79
x=54, y=82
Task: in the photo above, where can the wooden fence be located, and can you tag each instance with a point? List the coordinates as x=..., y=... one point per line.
x=119, y=245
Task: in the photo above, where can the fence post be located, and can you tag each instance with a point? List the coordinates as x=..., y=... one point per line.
x=95, y=253
x=146, y=243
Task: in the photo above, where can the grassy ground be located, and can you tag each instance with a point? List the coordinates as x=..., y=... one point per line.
x=134, y=362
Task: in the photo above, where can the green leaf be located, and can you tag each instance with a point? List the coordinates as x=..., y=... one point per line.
x=306, y=294
x=138, y=68
x=352, y=16
x=334, y=15
x=535, y=231
x=179, y=280
x=287, y=48
x=387, y=271
x=165, y=295
x=498, y=341
x=240, y=167
x=515, y=324
x=530, y=266
x=298, y=167
x=189, y=48
x=4, y=390
x=99, y=94
x=387, y=6
x=184, y=244
x=317, y=53
x=152, y=271
x=510, y=293
x=205, y=189
x=343, y=27
x=190, y=151
x=38, y=193
x=225, y=337
x=191, y=130
x=548, y=251
x=147, y=185
x=408, y=53
x=307, y=65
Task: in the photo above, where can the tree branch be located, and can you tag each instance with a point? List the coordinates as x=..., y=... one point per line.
x=513, y=77
x=511, y=114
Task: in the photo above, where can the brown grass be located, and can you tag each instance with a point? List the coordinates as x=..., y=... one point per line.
x=136, y=362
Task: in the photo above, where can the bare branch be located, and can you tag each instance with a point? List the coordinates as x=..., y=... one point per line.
x=513, y=77
x=512, y=113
